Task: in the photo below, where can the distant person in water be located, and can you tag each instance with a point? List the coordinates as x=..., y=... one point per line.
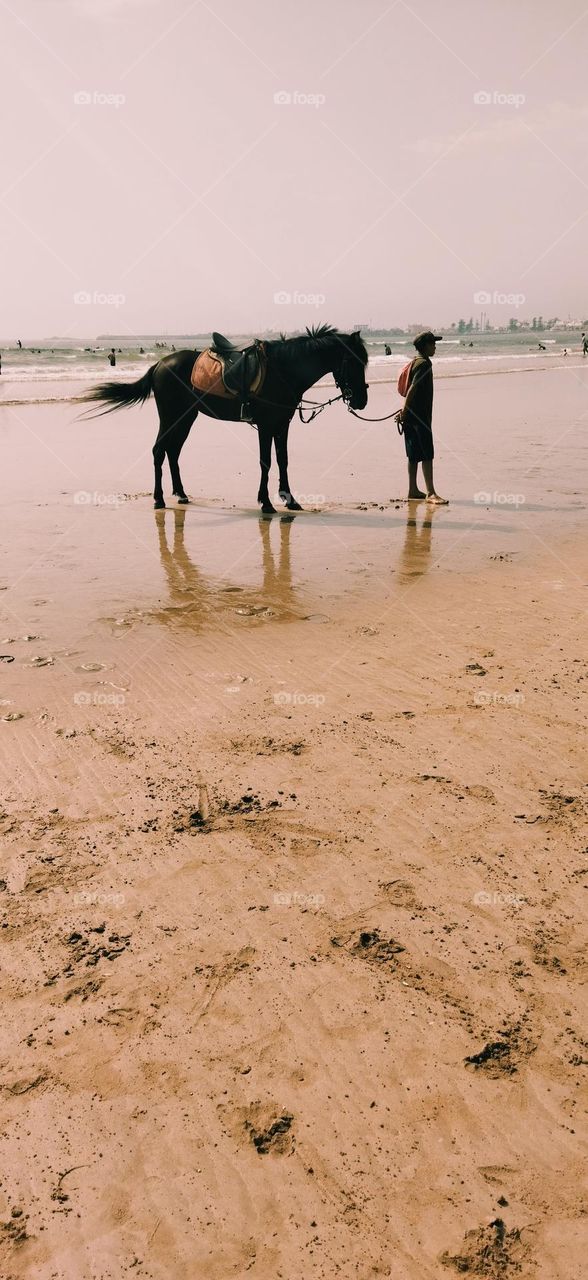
x=584, y=345
x=565, y=351
x=541, y=347
x=112, y=357
x=416, y=419
x=387, y=350
x=19, y=343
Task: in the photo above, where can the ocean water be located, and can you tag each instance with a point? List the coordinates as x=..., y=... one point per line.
x=51, y=361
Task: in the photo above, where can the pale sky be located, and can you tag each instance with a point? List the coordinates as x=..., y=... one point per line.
x=180, y=196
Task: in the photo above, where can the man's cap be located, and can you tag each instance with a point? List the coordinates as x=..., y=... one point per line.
x=427, y=336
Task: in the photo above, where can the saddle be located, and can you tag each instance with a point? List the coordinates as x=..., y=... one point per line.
x=230, y=372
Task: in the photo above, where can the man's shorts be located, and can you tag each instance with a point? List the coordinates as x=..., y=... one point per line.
x=418, y=441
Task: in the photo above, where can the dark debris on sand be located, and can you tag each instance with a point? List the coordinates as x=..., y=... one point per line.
x=490, y=1251
x=503, y=1055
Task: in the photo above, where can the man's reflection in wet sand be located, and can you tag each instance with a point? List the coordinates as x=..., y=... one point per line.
x=193, y=596
x=415, y=556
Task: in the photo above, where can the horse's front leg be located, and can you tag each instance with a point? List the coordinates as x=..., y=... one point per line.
x=282, y=460
x=265, y=462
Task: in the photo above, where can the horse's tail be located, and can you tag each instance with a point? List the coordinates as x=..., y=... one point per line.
x=119, y=395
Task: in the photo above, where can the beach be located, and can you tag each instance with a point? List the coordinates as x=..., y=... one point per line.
x=294, y=846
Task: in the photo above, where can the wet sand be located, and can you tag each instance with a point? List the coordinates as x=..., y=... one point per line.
x=293, y=839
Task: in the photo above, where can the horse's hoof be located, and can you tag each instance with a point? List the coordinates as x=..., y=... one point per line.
x=267, y=509
x=159, y=506
x=294, y=506
x=183, y=499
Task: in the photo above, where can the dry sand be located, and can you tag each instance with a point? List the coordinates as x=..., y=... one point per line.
x=294, y=846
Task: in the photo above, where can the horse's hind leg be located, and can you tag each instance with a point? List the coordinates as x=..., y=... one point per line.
x=158, y=459
x=177, y=440
x=169, y=441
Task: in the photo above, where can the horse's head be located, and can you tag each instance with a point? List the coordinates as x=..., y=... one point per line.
x=349, y=370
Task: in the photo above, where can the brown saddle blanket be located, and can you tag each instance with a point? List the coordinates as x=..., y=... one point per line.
x=232, y=376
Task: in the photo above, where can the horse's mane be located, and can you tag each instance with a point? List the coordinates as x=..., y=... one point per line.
x=319, y=336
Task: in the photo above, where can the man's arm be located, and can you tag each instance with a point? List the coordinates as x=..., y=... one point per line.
x=420, y=373
x=408, y=399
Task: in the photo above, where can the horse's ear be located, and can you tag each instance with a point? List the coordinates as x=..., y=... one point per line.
x=356, y=333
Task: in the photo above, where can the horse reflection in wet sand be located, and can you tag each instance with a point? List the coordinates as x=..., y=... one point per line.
x=195, y=599
x=293, y=366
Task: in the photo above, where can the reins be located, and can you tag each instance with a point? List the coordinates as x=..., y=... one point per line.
x=315, y=407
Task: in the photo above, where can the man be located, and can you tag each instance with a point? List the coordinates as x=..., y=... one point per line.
x=416, y=419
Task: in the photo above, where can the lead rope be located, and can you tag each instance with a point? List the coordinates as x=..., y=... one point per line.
x=384, y=419
x=315, y=407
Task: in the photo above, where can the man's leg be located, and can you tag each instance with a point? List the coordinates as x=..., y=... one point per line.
x=413, y=489
x=430, y=484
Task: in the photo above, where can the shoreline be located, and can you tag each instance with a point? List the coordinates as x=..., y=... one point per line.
x=440, y=376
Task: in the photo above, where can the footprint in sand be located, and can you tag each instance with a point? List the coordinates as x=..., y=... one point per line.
x=264, y=1124
x=399, y=893
x=368, y=945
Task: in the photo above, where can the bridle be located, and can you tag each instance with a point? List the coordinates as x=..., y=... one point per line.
x=342, y=381
x=342, y=378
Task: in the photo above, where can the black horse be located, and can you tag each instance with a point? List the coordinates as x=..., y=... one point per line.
x=293, y=365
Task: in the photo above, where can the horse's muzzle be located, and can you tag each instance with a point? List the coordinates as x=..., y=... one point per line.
x=359, y=401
